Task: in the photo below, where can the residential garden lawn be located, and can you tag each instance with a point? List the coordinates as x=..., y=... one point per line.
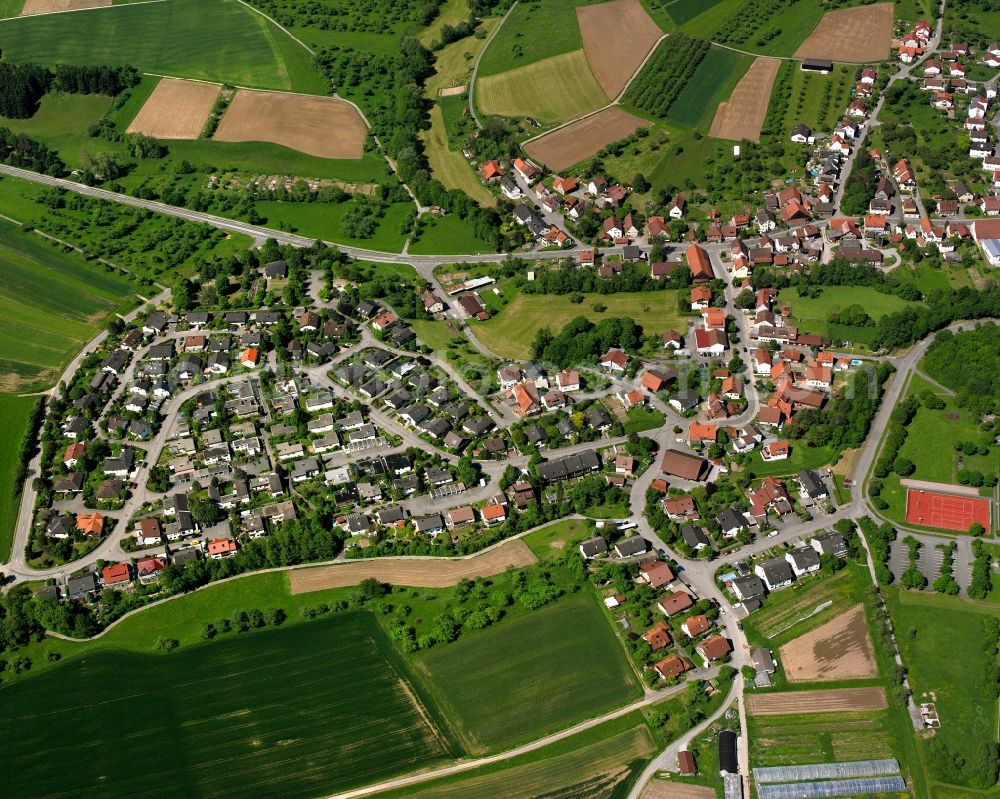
x=801, y=457
x=642, y=418
x=595, y=764
x=449, y=166
x=945, y=656
x=558, y=537
x=717, y=74
x=533, y=31
x=607, y=512
x=812, y=315
x=51, y=302
x=533, y=675
x=436, y=334
x=555, y=89
x=180, y=38
x=510, y=333
x=14, y=411
x=298, y=712
x=323, y=221
x=930, y=445
x=447, y=235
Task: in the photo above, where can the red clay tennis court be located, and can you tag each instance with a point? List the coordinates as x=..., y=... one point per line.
x=947, y=511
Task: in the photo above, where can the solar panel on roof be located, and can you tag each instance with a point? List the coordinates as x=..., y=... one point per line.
x=823, y=771
x=831, y=790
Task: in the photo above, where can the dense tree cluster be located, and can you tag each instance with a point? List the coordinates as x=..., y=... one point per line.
x=581, y=340
x=22, y=86
x=17, y=149
x=948, y=361
x=569, y=278
x=879, y=538
x=905, y=327
x=859, y=188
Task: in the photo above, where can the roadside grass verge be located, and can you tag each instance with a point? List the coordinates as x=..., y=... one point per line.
x=15, y=412
x=447, y=235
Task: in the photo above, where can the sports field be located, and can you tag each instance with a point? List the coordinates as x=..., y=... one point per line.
x=51, y=302
x=295, y=712
x=514, y=684
x=321, y=126
x=555, y=89
x=216, y=40
x=946, y=511
x=177, y=109
x=575, y=142
x=511, y=332
x=861, y=35
x=742, y=115
x=617, y=36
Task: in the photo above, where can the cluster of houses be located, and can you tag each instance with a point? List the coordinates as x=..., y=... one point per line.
x=912, y=44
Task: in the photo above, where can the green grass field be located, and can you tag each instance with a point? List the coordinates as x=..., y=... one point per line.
x=323, y=221
x=801, y=457
x=217, y=40
x=788, y=613
x=642, y=418
x=532, y=32
x=681, y=11
x=449, y=166
x=712, y=82
x=811, y=315
x=558, y=537
x=295, y=712
x=435, y=334
x=511, y=333
x=556, y=89
x=704, y=23
x=14, y=411
x=51, y=302
x=521, y=687
x=447, y=235
x=817, y=100
x=940, y=639
x=820, y=738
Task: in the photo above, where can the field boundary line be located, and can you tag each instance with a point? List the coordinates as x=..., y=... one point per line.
x=475, y=66
x=78, y=10
x=277, y=24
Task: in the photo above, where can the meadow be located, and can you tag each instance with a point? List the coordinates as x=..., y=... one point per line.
x=817, y=100
x=218, y=40
x=293, y=712
x=558, y=537
x=531, y=33
x=51, y=302
x=511, y=332
x=801, y=457
x=15, y=412
x=811, y=315
x=324, y=221
x=449, y=166
x=447, y=235
x=820, y=738
x=522, y=688
x=719, y=71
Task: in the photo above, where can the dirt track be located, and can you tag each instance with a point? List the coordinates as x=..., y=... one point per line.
x=417, y=571
x=742, y=116
x=32, y=7
x=320, y=126
x=616, y=38
x=177, y=109
x=580, y=140
x=859, y=35
x=834, y=700
x=841, y=649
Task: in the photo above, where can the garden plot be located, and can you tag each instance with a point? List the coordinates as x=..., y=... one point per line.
x=841, y=649
x=834, y=700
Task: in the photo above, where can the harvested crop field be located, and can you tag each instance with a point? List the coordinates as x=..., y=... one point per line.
x=50, y=6
x=860, y=35
x=833, y=700
x=415, y=571
x=666, y=789
x=570, y=145
x=841, y=649
x=177, y=109
x=617, y=37
x=742, y=115
x=320, y=126
x=555, y=89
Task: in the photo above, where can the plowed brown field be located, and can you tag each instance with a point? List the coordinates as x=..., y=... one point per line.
x=617, y=36
x=320, y=126
x=841, y=649
x=859, y=35
x=569, y=145
x=32, y=7
x=415, y=571
x=834, y=700
x=177, y=109
x=742, y=115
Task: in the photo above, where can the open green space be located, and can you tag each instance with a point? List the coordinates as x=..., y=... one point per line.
x=436, y=334
x=941, y=642
x=449, y=166
x=704, y=23
x=218, y=40
x=818, y=100
x=521, y=688
x=641, y=418
x=681, y=11
x=717, y=74
x=533, y=31
x=62, y=119
x=294, y=712
x=558, y=537
x=801, y=457
x=811, y=314
x=51, y=302
x=15, y=412
x=511, y=332
x=325, y=221
x=447, y=235
x=10, y=8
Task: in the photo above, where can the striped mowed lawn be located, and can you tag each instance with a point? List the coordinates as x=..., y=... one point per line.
x=554, y=89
